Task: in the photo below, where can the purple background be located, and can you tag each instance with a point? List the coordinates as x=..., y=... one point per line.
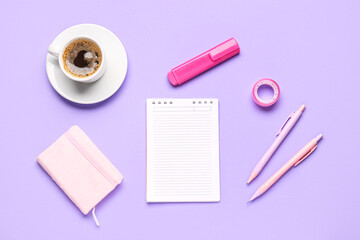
x=311, y=48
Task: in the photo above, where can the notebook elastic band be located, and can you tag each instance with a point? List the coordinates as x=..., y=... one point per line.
x=95, y=218
x=90, y=159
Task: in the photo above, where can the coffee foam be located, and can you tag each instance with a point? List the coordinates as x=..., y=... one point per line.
x=79, y=71
x=82, y=58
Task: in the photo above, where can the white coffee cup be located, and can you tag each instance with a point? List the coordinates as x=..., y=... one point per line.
x=58, y=51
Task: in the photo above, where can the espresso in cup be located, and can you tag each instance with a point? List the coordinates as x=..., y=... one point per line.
x=82, y=58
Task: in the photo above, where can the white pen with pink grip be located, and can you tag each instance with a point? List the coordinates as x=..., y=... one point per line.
x=280, y=136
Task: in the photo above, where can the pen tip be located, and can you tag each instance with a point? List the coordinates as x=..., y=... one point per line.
x=248, y=201
x=319, y=137
x=301, y=109
x=252, y=176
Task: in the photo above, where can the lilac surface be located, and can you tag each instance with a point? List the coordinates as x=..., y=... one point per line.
x=311, y=48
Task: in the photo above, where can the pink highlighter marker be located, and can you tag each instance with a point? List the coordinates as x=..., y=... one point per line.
x=203, y=62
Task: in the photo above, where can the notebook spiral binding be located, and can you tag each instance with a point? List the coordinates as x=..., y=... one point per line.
x=162, y=101
x=170, y=101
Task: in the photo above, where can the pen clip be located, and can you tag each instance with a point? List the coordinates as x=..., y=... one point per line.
x=286, y=121
x=305, y=156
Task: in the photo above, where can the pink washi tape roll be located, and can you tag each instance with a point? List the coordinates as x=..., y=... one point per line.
x=273, y=85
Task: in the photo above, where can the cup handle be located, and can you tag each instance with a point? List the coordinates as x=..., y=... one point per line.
x=54, y=50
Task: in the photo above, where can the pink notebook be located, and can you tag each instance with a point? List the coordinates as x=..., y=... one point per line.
x=80, y=169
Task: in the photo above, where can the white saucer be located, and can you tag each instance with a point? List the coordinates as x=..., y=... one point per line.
x=108, y=84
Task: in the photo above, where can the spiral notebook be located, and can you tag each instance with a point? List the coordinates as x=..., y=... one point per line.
x=182, y=150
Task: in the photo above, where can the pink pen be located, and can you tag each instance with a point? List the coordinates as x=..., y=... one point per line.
x=203, y=62
x=294, y=161
x=280, y=136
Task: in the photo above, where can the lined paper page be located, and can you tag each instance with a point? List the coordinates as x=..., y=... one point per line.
x=182, y=150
